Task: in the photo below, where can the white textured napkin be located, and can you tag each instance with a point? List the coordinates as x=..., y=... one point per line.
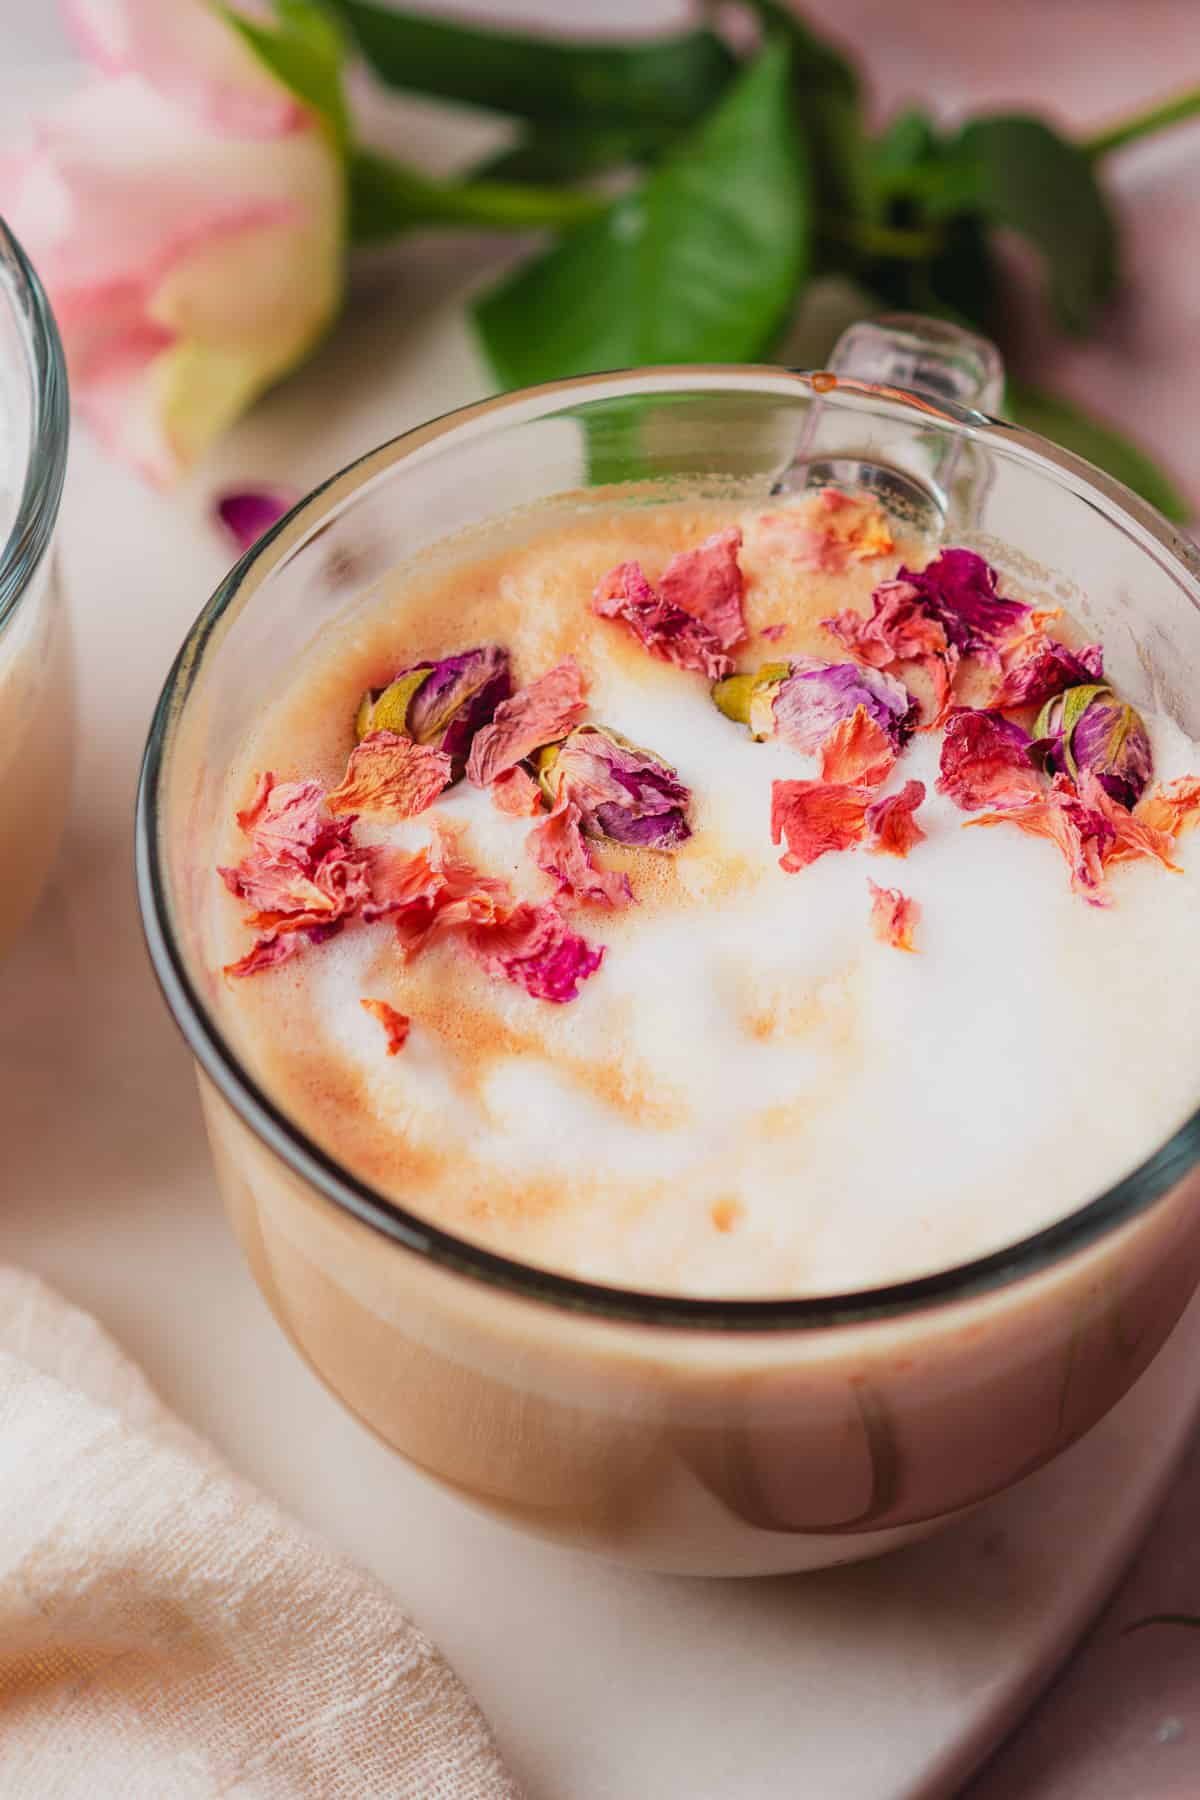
x=166, y=1633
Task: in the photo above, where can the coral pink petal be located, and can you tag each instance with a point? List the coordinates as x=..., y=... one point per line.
x=707, y=582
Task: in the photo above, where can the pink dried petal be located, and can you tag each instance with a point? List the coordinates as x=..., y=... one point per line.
x=534, y=947
x=390, y=774
x=829, y=531
x=267, y=953
x=1134, y=838
x=986, y=761
x=1046, y=670
x=773, y=633
x=517, y=793
x=707, y=582
x=246, y=513
x=857, y=753
x=892, y=823
x=1082, y=834
x=536, y=715
x=559, y=849
x=815, y=817
x=396, y=1025
x=1174, y=808
x=665, y=630
x=894, y=917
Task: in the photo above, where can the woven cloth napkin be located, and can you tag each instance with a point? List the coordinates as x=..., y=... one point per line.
x=166, y=1633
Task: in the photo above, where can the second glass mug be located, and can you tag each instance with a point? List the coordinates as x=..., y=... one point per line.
x=692, y=1435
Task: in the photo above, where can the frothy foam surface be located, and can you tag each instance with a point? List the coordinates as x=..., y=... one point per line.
x=753, y=1095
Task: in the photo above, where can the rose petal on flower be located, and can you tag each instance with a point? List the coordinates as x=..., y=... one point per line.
x=536, y=715
x=829, y=530
x=666, y=631
x=442, y=704
x=396, y=1025
x=986, y=761
x=899, y=629
x=1082, y=834
x=894, y=917
x=1174, y=808
x=1089, y=727
x=534, y=947
x=958, y=589
x=246, y=513
x=1046, y=670
x=892, y=823
x=390, y=774
x=267, y=953
x=857, y=753
x=559, y=850
x=814, y=817
x=814, y=697
x=623, y=792
x=707, y=582
x=516, y=792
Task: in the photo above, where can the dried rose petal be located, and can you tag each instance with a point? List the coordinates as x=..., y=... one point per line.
x=707, y=582
x=538, y=714
x=395, y=1024
x=829, y=531
x=901, y=629
x=622, y=791
x=1089, y=728
x=442, y=704
x=267, y=953
x=667, y=631
x=802, y=708
x=390, y=774
x=1083, y=834
x=894, y=917
x=986, y=761
x=773, y=633
x=1174, y=808
x=558, y=849
x=517, y=793
x=814, y=817
x=1133, y=838
x=892, y=822
x=857, y=753
x=430, y=892
x=288, y=820
x=1045, y=670
x=958, y=589
x=534, y=947
x=245, y=513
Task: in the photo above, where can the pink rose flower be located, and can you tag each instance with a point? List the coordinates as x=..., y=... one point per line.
x=185, y=213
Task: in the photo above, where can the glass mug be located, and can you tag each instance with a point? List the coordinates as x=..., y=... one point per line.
x=692, y=1435
x=36, y=710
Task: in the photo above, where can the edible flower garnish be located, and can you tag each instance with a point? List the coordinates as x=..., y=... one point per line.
x=245, y=513
x=814, y=817
x=559, y=849
x=536, y=715
x=894, y=917
x=801, y=701
x=516, y=792
x=901, y=629
x=892, y=824
x=1175, y=808
x=857, y=753
x=707, y=582
x=431, y=891
x=1090, y=828
x=1046, y=669
x=986, y=761
x=958, y=589
x=395, y=1024
x=390, y=774
x=441, y=703
x=622, y=791
x=829, y=530
x=534, y=947
x=1089, y=728
x=665, y=629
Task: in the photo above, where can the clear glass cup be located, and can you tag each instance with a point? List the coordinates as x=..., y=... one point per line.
x=695, y=1435
x=36, y=702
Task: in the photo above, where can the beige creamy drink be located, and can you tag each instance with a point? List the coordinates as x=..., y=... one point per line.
x=913, y=1044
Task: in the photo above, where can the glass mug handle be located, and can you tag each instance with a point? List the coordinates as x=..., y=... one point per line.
x=928, y=473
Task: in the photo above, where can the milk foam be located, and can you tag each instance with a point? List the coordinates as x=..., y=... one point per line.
x=753, y=1095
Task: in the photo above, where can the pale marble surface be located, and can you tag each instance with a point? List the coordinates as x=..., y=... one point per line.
x=888, y=1679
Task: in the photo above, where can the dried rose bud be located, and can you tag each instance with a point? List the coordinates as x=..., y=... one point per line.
x=441, y=704
x=622, y=791
x=1089, y=728
x=801, y=702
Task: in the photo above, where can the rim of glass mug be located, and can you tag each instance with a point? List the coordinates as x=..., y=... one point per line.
x=45, y=452
x=1133, y=1194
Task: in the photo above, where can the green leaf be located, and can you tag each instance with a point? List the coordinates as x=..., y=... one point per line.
x=663, y=81
x=698, y=264
x=1064, y=423
x=388, y=198
x=1018, y=172
x=304, y=49
x=905, y=142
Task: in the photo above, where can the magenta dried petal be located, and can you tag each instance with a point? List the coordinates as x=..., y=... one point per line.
x=986, y=761
x=457, y=697
x=664, y=629
x=534, y=947
x=707, y=582
x=622, y=791
x=246, y=513
x=1088, y=729
x=814, y=697
x=1048, y=669
x=959, y=589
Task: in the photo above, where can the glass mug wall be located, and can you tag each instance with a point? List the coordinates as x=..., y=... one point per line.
x=692, y=1435
x=36, y=711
